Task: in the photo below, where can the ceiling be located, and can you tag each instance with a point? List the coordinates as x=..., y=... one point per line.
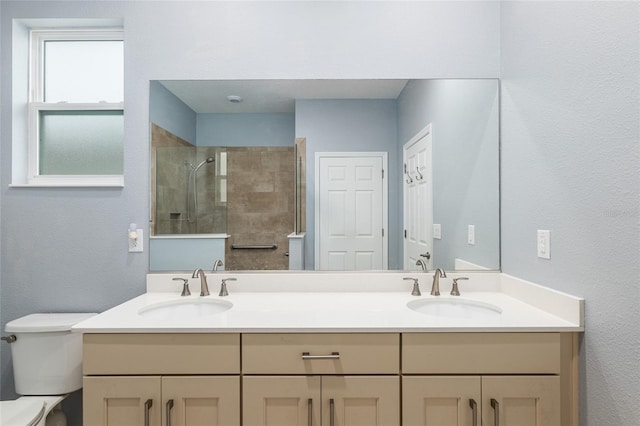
x=210, y=96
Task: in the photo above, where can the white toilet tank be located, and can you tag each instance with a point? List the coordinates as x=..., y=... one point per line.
x=47, y=357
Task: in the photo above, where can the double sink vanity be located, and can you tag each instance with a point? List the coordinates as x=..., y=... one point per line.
x=335, y=349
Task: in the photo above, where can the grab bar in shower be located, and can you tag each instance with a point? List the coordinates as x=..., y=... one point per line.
x=251, y=247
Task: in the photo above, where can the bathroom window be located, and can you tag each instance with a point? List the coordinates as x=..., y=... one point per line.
x=76, y=115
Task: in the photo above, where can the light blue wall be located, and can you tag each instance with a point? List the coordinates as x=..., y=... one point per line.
x=264, y=129
x=465, y=136
x=571, y=164
x=179, y=254
x=169, y=112
x=66, y=249
x=569, y=145
x=349, y=126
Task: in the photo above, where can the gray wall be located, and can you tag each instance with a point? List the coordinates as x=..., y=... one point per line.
x=349, y=126
x=464, y=115
x=570, y=164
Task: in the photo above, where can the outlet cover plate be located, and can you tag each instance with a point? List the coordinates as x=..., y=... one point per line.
x=544, y=244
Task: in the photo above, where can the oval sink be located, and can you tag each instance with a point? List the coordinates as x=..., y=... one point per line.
x=185, y=309
x=454, y=308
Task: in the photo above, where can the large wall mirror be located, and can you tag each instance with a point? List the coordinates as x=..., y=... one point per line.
x=325, y=174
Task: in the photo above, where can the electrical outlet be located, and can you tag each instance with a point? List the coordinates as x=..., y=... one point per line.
x=544, y=244
x=437, y=231
x=136, y=241
x=471, y=234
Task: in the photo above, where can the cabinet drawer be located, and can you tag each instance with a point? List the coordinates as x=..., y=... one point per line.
x=161, y=353
x=481, y=353
x=325, y=353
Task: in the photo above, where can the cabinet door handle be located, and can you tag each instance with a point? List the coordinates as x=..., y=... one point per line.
x=309, y=412
x=334, y=355
x=147, y=411
x=169, y=407
x=474, y=412
x=496, y=412
x=332, y=412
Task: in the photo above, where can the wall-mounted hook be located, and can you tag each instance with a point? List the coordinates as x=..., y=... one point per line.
x=409, y=180
x=419, y=176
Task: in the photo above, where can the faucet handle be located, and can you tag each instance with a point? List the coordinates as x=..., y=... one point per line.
x=223, y=286
x=454, y=290
x=185, y=286
x=416, y=286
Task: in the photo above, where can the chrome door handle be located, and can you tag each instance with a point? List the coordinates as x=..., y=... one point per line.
x=310, y=412
x=147, y=411
x=496, y=412
x=169, y=407
x=474, y=410
x=426, y=255
x=334, y=355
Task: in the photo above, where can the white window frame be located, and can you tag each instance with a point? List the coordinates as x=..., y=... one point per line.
x=38, y=37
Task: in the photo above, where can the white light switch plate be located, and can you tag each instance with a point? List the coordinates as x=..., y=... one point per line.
x=437, y=231
x=544, y=244
x=471, y=234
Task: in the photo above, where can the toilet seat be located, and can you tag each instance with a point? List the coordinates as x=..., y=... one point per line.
x=28, y=410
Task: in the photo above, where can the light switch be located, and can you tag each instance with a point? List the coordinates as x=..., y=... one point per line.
x=471, y=234
x=437, y=231
x=544, y=244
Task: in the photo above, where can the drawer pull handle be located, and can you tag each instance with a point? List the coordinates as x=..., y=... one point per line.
x=332, y=412
x=310, y=412
x=474, y=410
x=496, y=412
x=169, y=407
x=334, y=355
x=147, y=409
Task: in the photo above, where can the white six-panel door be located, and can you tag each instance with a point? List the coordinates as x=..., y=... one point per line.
x=350, y=211
x=418, y=200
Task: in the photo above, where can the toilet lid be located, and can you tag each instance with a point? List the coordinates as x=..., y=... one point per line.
x=21, y=412
x=39, y=323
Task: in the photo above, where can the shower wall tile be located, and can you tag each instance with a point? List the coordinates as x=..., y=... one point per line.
x=260, y=206
x=162, y=138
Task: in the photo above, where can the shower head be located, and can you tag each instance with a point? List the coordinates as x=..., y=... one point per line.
x=207, y=161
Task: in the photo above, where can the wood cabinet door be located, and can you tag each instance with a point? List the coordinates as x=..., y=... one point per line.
x=281, y=400
x=441, y=400
x=121, y=401
x=201, y=400
x=360, y=400
x=521, y=400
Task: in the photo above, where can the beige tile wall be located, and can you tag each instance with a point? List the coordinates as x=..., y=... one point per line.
x=260, y=208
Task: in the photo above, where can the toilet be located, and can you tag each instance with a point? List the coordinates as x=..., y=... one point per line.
x=47, y=366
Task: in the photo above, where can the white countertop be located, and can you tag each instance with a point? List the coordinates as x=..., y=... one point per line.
x=348, y=302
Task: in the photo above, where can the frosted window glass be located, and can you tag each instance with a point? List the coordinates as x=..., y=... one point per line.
x=83, y=71
x=81, y=143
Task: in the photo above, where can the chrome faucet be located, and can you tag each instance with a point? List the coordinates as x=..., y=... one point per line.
x=218, y=263
x=422, y=264
x=435, y=288
x=204, y=287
